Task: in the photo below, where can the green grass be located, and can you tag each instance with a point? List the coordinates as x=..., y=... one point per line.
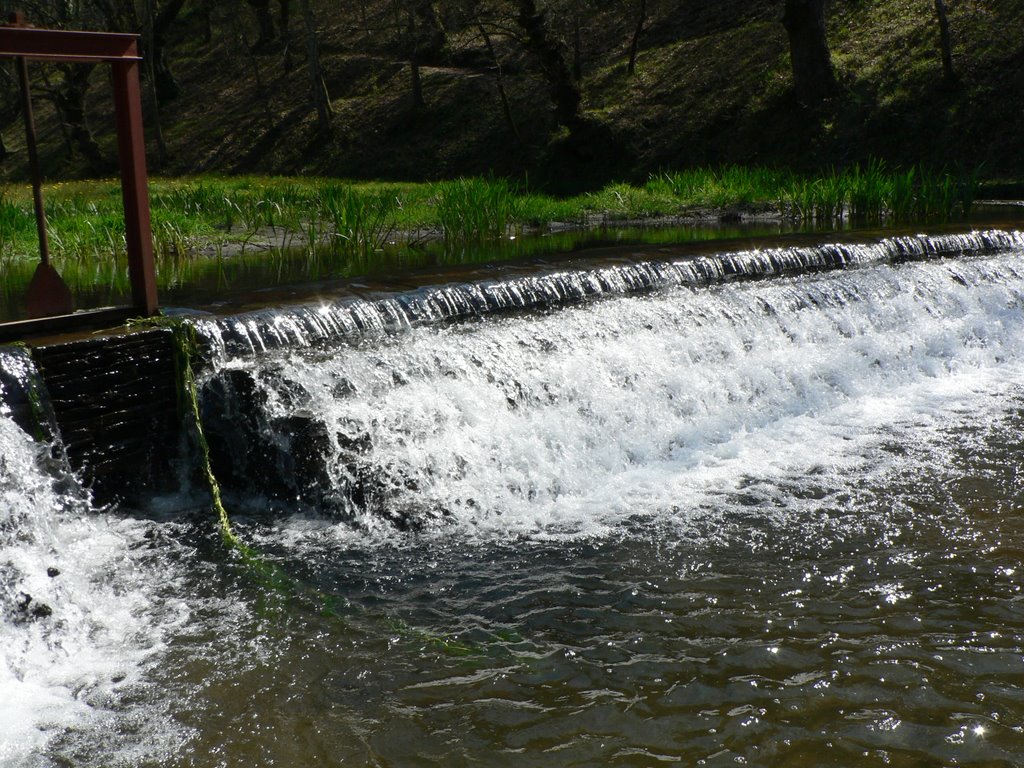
x=870, y=193
x=725, y=186
x=213, y=229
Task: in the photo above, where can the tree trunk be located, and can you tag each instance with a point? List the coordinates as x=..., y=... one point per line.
x=506, y=107
x=577, y=44
x=70, y=101
x=261, y=92
x=430, y=39
x=286, y=39
x=813, y=78
x=416, y=84
x=52, y=94
x=285, y=18
x=149, y=39
x=634, y=44
x=413, y=45
x=944, y=40
x=266, y=23
x=206, y=14
x=321, y=99
x=10, y=108
x=166, y=86
x=564, y=92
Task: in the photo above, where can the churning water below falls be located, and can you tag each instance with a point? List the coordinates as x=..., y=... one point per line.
x=770, y=522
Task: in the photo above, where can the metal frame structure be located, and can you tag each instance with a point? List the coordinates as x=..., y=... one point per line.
x=121, y=52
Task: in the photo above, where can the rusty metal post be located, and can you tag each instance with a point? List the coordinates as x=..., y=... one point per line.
x=33, y=159
x=134, y=189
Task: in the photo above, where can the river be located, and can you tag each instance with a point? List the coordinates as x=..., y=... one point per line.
x=714, y=521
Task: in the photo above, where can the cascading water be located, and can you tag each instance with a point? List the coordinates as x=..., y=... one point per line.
x=327, y=322
x=88, y=604
x=774, y=522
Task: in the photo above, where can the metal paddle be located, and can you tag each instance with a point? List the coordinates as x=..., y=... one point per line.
x=47, y=293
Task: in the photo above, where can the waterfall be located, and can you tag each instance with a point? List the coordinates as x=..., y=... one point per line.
x=357, y=319
x=79, y=614
x=581, y=417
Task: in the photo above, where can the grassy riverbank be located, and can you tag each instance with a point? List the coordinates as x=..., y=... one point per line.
x=224, y=216
x=275, y=230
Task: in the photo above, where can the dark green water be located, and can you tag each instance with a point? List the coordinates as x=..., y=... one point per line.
x=260, y=273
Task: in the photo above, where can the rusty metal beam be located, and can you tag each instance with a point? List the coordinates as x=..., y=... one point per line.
x=93, y=319
x=64, y=45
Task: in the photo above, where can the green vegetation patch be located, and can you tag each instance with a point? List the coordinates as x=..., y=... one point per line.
x=294, y=229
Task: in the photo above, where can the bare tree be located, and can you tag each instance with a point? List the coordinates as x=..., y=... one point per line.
x=499, y=78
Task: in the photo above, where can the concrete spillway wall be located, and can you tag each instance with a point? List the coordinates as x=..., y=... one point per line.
x=113, y=403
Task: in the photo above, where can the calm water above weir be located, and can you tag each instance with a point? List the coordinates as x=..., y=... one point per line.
x=658, y=514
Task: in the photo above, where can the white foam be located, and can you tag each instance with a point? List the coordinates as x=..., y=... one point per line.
x=69, y=671
x=668, y=405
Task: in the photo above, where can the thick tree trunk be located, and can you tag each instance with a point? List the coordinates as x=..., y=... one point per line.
x=813, y=78
x=429, y=38
x=944, y=40
x=70, y=100
x=166, y=86
x=285, y=18
x=564, y=92
x=265, y=21
x=425, y=41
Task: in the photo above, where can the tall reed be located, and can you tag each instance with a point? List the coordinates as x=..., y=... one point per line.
x=863, y=192
x=474, y=209
x=356, y=222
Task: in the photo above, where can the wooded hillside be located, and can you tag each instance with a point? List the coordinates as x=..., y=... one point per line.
x=566, y=92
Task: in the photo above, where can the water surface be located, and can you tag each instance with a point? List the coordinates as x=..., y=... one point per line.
x=772, y=522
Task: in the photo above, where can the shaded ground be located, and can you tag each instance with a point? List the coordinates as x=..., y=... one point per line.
x=712, y=86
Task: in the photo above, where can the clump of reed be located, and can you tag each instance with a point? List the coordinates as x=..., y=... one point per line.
x=15, y=226
x=723, y=186
x=868, y=192
x=356, y=222
x=471, y=210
